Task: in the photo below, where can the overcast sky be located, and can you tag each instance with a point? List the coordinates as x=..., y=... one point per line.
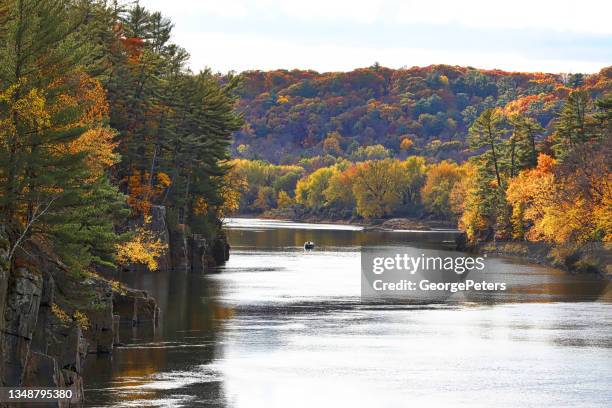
x=341, y=35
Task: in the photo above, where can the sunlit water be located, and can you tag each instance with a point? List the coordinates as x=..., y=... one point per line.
x=282, y=327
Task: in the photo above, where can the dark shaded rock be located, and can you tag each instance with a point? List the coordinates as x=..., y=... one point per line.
x=179, y=251
x=42, y=343
x=220, y=251
x=116, y=321
x=21, y=313
x=41, y=371
x=4, y=276
x=200, y=258
x=136, y=307
x=67, y=345
x=41, y=333
x=205, y=254
x=73, y=381
x=99, y=335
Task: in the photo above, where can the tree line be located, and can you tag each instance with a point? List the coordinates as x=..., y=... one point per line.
x=519, y=183
x=100, y=119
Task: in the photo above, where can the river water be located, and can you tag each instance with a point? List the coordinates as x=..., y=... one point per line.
x=278, y=326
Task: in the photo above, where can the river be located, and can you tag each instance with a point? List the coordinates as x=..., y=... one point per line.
x=278, y=326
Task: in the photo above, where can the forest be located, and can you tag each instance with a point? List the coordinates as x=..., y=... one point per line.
x=100, y=119
x=117, y=159
x=528, y=157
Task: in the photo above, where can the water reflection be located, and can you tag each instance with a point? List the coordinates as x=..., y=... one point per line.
x=279, y=326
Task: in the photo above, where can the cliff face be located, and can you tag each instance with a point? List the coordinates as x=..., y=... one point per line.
x=41, y=345
x=44, y=344
x=188, y=252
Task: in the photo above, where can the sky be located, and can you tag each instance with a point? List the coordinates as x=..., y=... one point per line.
x=341, y=35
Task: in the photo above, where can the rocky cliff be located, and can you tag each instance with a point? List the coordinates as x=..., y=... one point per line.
x=189, y=252
x=52, y=319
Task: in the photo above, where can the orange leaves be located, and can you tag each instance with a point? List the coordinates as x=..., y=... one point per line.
x=406, y=143
x=142, y=189
x=133, y=47
x=557, y=210
x=546, y=164
x=163, y=180
x=99, y=147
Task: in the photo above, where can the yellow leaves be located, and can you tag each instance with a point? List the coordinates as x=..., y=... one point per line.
x=283, y=200
x=145, y=248
x=79, y=317
x=200, y=206
x=118, y=287
x=441, y=179
x=532, y=191
x=462, y=188
x=60, y=314
x=309, y=190
x=163, y=180
x=340, y=188
x=30, y=109
x=377, y=187
x=234, y=184
x=282, y=99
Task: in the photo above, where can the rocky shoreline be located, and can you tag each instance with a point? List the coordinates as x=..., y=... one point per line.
x=52, y=318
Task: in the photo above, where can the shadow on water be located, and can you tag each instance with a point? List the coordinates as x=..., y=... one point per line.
x=169, y=365
x=291, y=322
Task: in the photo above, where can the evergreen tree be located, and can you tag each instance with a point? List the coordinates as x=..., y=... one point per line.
x=523, y=149
x=573, y=125
x=486, y=133
x=49, y=111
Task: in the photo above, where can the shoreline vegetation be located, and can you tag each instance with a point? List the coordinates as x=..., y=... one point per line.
x=114, y=155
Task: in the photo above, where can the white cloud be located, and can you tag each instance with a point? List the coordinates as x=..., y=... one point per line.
x=225, y=52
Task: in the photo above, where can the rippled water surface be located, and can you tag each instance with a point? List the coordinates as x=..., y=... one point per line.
x=281, y=327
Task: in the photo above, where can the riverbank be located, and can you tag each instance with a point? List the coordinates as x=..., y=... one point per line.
x=593, y=258
x=389, y=224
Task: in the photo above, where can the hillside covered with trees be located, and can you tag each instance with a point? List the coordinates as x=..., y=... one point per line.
x=508, y=156
x=427, y=111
